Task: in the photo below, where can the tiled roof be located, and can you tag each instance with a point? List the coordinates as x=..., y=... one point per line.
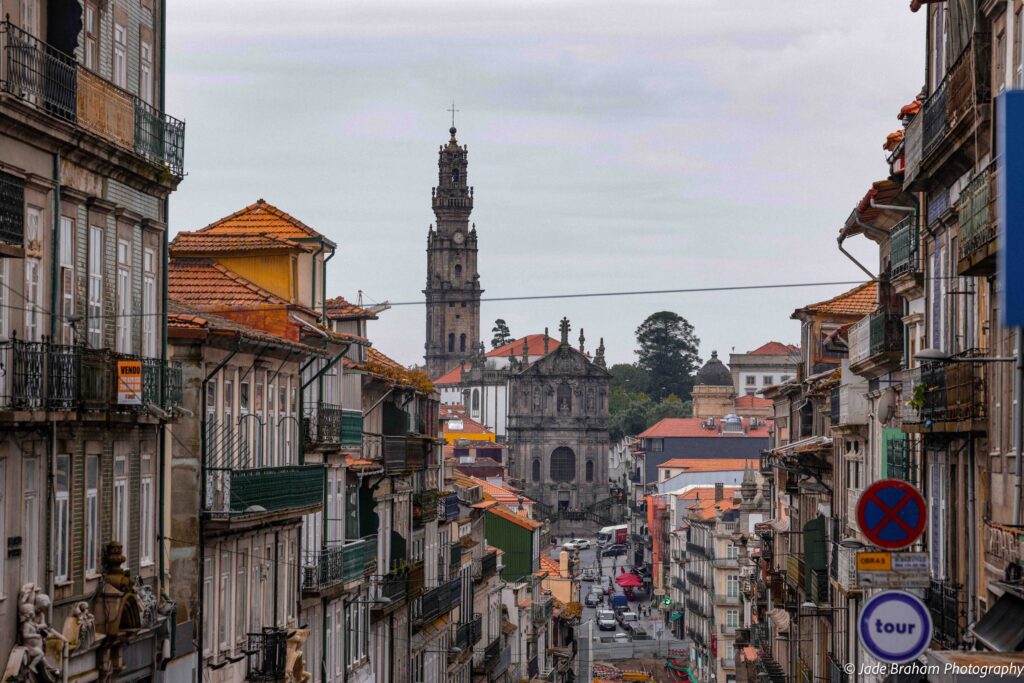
x=196, y=243
x=340, y=308
x=506, y=514
x=182, y=322
x=262, y=218
x=708, y=464
x=500, y=493
x=534, y=346
x=691, y=427
x=882, y=192
x=705, y=492
x=893, y=140
x=550, y=565
x=202, y=283
x=751, y=401
x=469, y=425
x=453, y=376
x=910, y=109
x=774, y=348
x=856, y=303
x=382, y=366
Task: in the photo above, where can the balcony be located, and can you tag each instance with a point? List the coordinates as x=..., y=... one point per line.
x=795, y=570
x=436, y=602
x=979, y=224
x=351, y=428
x=321, y=425
x=448, y=507
x=542, y=610
x=51, y=81
x=476, y=630
x=904, y=250
x=953, y=397
x=901, y=463
x=852, y=408
x=954, y=101
x=876, y=343
x=845, y=563
x=405, y=454
x=910, y=411
x=45, y=376
x=725, y=562
x=695, y=607
x=820, y=587
x=424, y=507
x=678, y=583
x=489, y=564
x=268, y=489
x=266, y=655
x=392, y=586
x=460, y=638
x=455, y=556
x=337, y=564
x=946, y=602
x=833, y=407
x=696, y=549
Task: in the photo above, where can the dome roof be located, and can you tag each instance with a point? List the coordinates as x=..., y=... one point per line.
x=714, y=373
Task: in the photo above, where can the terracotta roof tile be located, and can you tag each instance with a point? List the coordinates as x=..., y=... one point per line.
x=691, y=427
x=856, y=303
x=708, y=464
x=550, y=565
x=380, y=365
x=201, y=283
x=453, y=376
x=340, y=308
x=706, y=492
x=181, y=319
x=506, y=514
x=502, y=494
x=262, y=218
x=774, y=348
x=196, y=243
x=751, y=401
x=534, y=346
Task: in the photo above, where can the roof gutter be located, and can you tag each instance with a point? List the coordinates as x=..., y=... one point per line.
x=309, y=325
x=851, y=257
x=891, y=207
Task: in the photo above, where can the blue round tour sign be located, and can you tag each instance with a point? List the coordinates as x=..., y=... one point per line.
x=895, y=627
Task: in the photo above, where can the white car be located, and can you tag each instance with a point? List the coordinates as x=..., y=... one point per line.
x=606, y=620
x=570, y=545
x=581, y=543
x=629, y=620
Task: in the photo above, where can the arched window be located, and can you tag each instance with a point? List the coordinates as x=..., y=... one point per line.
x=458, y=270
x=590, y=470
x=536, y=469
x=451, y=342
x=462, y=342
x=564, y=398
x=455, y=175
x=563, y=464
x=476, y=400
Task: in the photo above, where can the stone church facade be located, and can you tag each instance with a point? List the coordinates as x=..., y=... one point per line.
x=558, y=440
x=453, y=283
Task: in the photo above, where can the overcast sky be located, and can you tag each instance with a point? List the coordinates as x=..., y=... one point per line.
x=612, y=145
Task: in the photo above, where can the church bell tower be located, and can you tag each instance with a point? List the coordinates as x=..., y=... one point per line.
x=453, y=284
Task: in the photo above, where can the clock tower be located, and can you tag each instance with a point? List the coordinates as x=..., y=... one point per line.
x=453, y=284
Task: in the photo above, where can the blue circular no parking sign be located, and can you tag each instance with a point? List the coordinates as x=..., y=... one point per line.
x=895, y=627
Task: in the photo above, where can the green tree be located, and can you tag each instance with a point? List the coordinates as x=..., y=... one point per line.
x=502, y=335
x=629, y=377
x=670, y=406
x=667, y=351
x=629, y=413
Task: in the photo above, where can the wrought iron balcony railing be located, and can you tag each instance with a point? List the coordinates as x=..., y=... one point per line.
x=694, y=578
x=424, y=507
x=55, y=83
x=678, y=583
x=436, y=601
x=321, y=425
x=696, y=549
x=477, y=629
x=339, y=563
x=946, y=602
x=967, y=84
x=266, y=655
x=393, y=585
x=954, y=394
x=903, y=247
x=979, y=223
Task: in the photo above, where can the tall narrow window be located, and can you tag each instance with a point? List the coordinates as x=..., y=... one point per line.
x=451, y=342
x=244, y=438
x=224, y=601
x=590, y=470
x=121, y=502
x=95, y=287
x=207, y=605
x=30, y=521
x=67, y=278
x=92, y=510
x=228, y=430
x=30, y=17
x=61, y=516
x=241, y=593
x=462, y=342
x=149, y=305
x=257, y=406
x=3, y=521
x=5, y=283
x=256, y=604
x=124, y=297
x=212, y=447
x=146, y=522
x=146, y=72
x=91, y=34
x=33, y=300
x=271, y=427
x=535, y=474
x=120, y=55
x=283, y=425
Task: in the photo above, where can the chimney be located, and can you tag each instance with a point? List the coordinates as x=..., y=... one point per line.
x=719, y=491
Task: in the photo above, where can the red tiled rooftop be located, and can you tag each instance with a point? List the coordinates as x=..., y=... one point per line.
x=534, y=346
x=453, y=376
x=774, y=348
x=196, y=243
x=204, y=284
x=340, y=308
x=183, y=323
x=708, y=464
x=692, y=427
x=506, y=514
x=751, y=401
x=856, y=303
x=262, y=218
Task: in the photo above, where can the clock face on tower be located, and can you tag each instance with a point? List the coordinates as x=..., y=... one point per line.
x=458, y=238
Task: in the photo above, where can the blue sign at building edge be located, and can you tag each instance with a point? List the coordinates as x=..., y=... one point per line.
x=895, y=627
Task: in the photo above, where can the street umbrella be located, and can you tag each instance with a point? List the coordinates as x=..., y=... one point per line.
x=628, y=580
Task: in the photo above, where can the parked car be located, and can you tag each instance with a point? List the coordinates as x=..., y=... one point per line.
x=606, y=620
x=589, y=574
x=593, y=599
x=616, y=550
x=581, y=543
x=607, y=585
x=619, y=602
x=629, y=621
x=570, y=545
x=640, y=634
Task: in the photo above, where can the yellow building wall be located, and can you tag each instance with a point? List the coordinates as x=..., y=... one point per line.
x=273, y=272
x=451, y=437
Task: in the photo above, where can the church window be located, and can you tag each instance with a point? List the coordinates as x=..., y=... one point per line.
x=458, y=270
x=451, y=304
x=462, y=342
x=536, y=469
x=455, y=175
x=476, y=399
x=451, y=342
x=563, y=464
x=463, y=304
x=590, y=470
x=564, y=398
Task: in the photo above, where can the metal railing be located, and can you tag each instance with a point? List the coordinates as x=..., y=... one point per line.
x=946, y=602
x=54, y=82
x=489, y=564
x=820, y=587
x=424, y=507
x=321, y=424
x=542, y=610
x=266, y=655
x=477, y=628
x=393, y=585
x=405, y=454
x=954, y=391
x=900, y=461
x=677, y=582
x=977, y=212
x=965, y=85
x=903, y=246
x=448, y=507
x=266, y=489
x=874, y=334
x=437, y=601
x=696, y=549
x=695, y=579
x=834, y=404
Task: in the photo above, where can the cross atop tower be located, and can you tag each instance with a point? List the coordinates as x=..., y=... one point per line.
x=453, y=111
x=563, y=327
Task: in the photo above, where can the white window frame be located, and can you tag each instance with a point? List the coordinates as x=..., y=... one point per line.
x=146, y=522
x=33, y=296
x=208, y=615
x=146, y=71
x=62, y=518
x=95, y=310
x=67, y=277
x=224, y=621
x=124, y=296
x=241, y=593
x=149, y=303
x=30, y=520
x=120, y=56
x=732, y=618
x=5, y=283
x=732, y=585
x=750, y=381
x=3, y=522
x=121, y=529
x=92, y=519
x=89, y=29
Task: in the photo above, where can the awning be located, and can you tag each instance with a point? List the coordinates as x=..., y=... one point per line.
x=1000, y=629
x=780, y=618
x=676, y=616
x=810, y=444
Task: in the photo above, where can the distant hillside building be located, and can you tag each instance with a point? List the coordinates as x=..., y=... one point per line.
x=771, y=363
x=713, y=391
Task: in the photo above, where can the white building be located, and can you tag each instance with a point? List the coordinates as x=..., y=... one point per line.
x=771, y=363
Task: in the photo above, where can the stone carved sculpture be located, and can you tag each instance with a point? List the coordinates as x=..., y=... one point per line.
x=80, y=627
x=33, y=631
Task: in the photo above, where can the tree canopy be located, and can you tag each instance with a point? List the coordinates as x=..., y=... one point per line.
x=667, y=349
x=501, y=332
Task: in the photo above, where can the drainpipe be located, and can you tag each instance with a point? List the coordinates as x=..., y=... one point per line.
x=164, y=443
x=323, y=295
x=312, y=285
x=892, y=207
x=52, y=443
x=842, y=236
x=202, y=496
